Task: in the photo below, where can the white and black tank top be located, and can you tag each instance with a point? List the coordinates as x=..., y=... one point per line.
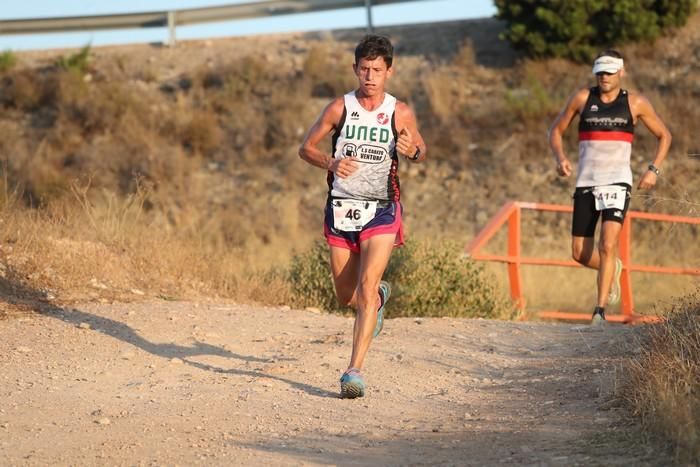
x=605, y=135
x=370, y=137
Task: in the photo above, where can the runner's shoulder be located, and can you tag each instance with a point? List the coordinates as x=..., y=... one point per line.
x=581, y=95
x=334, y=110
x=578, y=99
x=637, y=98
x=403, y=111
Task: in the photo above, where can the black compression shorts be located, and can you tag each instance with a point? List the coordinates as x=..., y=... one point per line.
x=585, y=216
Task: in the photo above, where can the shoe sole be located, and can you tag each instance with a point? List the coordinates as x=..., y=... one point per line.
x=387, y=287
x=380, y=323
x=597, y=320
x=380, y=312
x=351, y=390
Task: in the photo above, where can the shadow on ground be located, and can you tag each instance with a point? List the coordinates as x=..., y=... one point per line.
x=27, y=299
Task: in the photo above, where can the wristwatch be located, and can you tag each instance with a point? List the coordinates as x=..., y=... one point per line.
x=655, y=169
x=416, y=156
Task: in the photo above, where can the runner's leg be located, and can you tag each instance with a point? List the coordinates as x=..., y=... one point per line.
x=583, y=251
x=609, y=239
x=345, y=266
x=583, y=225
x=374, y=258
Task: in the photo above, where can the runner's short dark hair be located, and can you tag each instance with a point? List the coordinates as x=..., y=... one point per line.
x=373, y=46
x=609, y=53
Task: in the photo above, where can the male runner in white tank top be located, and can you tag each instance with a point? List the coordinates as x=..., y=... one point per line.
x=370, y=130
x=608, y=114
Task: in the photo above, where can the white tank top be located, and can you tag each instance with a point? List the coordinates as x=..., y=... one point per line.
x=370, y=137
x=606, y=133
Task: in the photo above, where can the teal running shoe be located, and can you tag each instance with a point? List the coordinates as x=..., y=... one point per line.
x=385, y=291
x=351, y=384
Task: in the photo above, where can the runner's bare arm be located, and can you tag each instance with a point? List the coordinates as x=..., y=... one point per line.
x=309, y=151
x=561, y=123
x=644, y=111
x=410, y=140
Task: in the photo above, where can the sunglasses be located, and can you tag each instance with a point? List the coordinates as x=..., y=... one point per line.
x=605, y=73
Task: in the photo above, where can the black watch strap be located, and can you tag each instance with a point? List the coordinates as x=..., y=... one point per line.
x=655, y=169
x=416, y=156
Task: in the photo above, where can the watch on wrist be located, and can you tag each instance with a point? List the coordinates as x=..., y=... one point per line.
x=416, y=156
x=655, y=169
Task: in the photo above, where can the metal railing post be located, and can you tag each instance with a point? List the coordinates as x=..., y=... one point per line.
x=516, y=290
x=370, y=26
x=171, y=29
x=511, y=212
x=626, y=257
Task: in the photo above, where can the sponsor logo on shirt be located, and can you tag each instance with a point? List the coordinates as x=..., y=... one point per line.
x=617, y=121
x=371, y=154
x=365, y=133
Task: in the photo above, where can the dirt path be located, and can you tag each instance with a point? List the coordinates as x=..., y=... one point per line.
x=223, y=384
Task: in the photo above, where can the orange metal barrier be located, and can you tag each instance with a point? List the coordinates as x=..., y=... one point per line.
x=511, y=213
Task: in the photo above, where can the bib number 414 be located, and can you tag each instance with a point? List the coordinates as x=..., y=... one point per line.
x=610, y=197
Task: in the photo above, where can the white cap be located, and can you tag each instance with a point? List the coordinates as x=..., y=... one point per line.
x=607, y=64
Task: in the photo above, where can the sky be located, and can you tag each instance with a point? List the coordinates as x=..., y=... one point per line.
x=406, y=13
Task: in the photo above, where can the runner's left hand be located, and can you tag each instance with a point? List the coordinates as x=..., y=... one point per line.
x=648, y=181
x=405, y=145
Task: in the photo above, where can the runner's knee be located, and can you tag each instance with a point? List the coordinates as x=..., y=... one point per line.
x=607, y=247
x=580, y=254
x=576, y=255
x=368, y=290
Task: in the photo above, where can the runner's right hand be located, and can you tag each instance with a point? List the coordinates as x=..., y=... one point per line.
x=564, y=168
x=343, y=168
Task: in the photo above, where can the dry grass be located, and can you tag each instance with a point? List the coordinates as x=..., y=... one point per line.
x=664, y=381
x=193, y=168
x=174, y=174
x=105, y=247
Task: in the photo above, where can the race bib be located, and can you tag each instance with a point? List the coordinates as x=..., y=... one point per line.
x=610, y=197
x=350, y=215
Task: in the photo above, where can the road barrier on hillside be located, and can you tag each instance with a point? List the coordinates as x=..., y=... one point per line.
x=511, y=213
x=173, y=18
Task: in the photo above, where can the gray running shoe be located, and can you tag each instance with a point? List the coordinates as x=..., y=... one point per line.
x=598, y=318
x=614, y=295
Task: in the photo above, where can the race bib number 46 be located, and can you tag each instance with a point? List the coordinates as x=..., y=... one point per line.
x=350, y=215
x=610, y=197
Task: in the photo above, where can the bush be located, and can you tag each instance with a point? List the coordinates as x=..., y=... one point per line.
x=663, y=383
x=428, y=279
x=436, y=279
x=310, y=278
x=530, y=101
x=7, y=60
x=77, y=62
x=577, y=30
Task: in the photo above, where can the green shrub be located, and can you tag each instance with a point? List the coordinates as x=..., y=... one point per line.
x=310, y=278
x=428, y=279
x=77, y=62
x=577, y=30
x=7, y=60
x=530, y=101
x=436, y=279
